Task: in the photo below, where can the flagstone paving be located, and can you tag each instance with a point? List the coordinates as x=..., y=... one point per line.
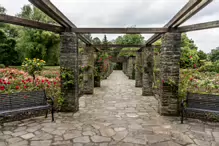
x=116, y=115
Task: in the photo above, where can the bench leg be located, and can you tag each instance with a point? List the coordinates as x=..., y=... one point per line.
x=52, y=112
x=46, y=113
x=182, y=114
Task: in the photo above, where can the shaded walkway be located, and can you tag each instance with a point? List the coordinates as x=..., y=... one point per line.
x=116, y=115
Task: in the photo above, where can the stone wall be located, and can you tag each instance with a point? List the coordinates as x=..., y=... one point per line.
x=69, y=63
x=170, y=66
x=147, y=71
x=130, y=67
x=88, y=78
x=138, y=70
x=125, y=66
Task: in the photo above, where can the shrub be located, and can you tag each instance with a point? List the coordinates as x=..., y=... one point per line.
x=2, y=66
x=33, y=65
x=210, y=67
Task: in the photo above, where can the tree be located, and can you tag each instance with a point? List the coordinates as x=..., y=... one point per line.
x=129, y=39
x=96, y=41
x=202, y=55
x=186, y=42
x=214, y=55
x=9, y=56
x=35, y=43
x=105, y=43
x=189, y=54
x=2, y=10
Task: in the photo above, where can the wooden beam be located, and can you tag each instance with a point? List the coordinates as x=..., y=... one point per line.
x=52, y=11
x=29, y=23
x=118, y=46
x=121, y=46
x=199, y=26
x=120, y=30
x=188, y=7
x=199, y=7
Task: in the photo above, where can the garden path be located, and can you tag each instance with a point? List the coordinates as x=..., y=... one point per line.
x=115, y=115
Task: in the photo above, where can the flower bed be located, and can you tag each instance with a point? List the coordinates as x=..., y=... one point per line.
x=15, y=81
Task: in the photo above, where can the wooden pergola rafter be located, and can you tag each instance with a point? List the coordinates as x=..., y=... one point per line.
x=189, y=10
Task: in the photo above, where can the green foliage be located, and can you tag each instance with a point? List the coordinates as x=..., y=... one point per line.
x=2, y=66
x=68, y=78
x=37, y=43
x=202, y=55
x=9, y=56
x=189, y=54
x=210, y=67
x=96, y=41
x=214, y=55
x=189, y=58
x=127, y=52
x=2, y=10
x=33, y=65
x=130, y=39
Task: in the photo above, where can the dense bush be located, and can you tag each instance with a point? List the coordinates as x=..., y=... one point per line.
x=2, y=66
x=210, y=67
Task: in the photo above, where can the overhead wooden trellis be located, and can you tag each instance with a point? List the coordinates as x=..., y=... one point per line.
x=190, y=9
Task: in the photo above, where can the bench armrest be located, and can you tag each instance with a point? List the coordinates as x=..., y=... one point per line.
x=52, y=100
x=183, y=104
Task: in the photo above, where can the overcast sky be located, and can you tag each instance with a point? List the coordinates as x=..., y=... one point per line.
x=126, y=13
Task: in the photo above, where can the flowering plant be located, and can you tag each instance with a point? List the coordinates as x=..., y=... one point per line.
x=15, y=81
x=33, y=65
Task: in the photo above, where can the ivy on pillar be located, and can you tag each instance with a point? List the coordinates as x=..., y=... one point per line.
x=138, y=70
x=170, y=66
x=147, y=71
x=97, y=74
x=88, y=62
x=69, y=71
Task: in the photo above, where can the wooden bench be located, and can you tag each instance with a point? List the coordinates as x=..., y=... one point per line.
x=199, y=105
x=25, y=102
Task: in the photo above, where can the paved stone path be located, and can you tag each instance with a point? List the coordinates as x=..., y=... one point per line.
x=116, y=115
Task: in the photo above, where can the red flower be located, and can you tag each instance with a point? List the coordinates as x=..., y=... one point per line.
x=25, y=87
x=5, y=82
x=2, y=88
x=195, y=66
x=55, y=83
x=17, y=87
x=8, y=83
x=43, y=81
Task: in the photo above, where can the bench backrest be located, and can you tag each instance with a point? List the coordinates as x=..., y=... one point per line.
x=203, y=101
x=22, y=100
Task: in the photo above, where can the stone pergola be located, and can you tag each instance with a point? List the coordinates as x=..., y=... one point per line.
x=170, y=51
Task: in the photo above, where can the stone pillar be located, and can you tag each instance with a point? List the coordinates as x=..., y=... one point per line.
x=147, y=71
x=130, y=67
x=69, y=71
x=88, y=62
x=138, y=70
x=170, y=58
x=124, y=66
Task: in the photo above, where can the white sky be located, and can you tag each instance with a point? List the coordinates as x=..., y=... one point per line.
x=126, y=13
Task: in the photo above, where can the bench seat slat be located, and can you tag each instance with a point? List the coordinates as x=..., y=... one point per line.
x=6, y=112
x=202, y=110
